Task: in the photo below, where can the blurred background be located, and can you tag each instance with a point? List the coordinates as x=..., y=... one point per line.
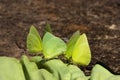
x=99, y=19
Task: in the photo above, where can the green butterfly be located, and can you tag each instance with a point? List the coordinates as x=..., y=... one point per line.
x=51, y=46
x=78, y=49
x=34, y=42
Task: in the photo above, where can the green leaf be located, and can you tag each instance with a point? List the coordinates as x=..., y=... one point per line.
x=58, y=69
x=88, y=77
x=30, y=68
x=32, y=72
x=71, y=44
x=114, y=77
x=44, y=75
x=52, y=46
x=36, y=59
x=76, y=73
x=81, y=52
x=34, y=43
x=10, y=69
x=100, y=73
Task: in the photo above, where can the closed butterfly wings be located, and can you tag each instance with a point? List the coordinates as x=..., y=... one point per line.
x=78, y=49
x=51, y=46
x=34, y=43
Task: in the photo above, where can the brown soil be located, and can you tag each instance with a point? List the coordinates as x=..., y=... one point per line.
x=99, y=19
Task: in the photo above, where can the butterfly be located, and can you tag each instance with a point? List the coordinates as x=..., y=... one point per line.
x=51, y=46
x=78, y=49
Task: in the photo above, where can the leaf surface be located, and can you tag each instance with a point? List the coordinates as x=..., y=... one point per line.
x=76, y=73
x=114, y=77
x=58, y=69
x=29, y=68
x=43, y=74
x=100, y=73
x=10, y=69
x=32, y=72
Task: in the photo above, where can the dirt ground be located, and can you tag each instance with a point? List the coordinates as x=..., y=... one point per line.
x=99, y=19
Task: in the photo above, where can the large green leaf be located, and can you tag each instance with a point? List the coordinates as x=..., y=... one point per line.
x=32, y=72
x=52, y=46
x=58, y=69
x=30, y=68
x=34, y=43
x=81, y=52
x=100, y=73
x=71, y=44
x=76, y=73
x=10, y=69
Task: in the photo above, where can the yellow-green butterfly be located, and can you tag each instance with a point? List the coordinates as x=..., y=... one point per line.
x=34, y=42
x=78, y=49
x=51, y=46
